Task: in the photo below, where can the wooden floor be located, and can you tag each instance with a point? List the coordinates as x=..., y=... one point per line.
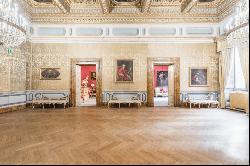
x=125, y=136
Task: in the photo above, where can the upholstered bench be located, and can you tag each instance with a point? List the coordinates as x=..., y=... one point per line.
x=201, y=102
x=53, y=101
x=130, y=101
x=208, y=100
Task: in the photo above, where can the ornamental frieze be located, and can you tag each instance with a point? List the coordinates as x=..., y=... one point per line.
x=154, y=11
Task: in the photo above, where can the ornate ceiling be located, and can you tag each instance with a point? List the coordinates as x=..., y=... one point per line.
x=128, y=11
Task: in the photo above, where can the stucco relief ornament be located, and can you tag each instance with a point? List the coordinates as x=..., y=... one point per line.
x=125, y=2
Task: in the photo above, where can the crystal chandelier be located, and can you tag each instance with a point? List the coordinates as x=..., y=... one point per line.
x=240, y=17
x=12, y=24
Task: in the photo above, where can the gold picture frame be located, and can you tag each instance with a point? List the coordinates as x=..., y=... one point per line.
x=124, y=70
x=198, y=77
x=50, y=73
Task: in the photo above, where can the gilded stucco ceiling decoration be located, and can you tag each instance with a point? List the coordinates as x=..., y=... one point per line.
x=43, y=1
x=128, y=11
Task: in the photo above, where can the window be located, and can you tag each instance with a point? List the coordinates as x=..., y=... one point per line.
x=236, y=79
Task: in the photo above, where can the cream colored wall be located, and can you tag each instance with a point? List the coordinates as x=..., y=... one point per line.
x=191, y=55
x=59, y=55
x=13, y=69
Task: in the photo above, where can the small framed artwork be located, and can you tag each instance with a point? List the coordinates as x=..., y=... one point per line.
x=93, y=75
x=124, y=71
x=162, y=79
x=50, y=74
x=198, y=77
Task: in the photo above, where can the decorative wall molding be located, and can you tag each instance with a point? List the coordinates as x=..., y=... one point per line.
x=9, y=99
x=133, y=33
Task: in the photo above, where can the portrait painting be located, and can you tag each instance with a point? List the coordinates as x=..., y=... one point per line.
x=124, y=71
x=50, y=74
x=162, y=79
x=93, y=75
x=198, y=77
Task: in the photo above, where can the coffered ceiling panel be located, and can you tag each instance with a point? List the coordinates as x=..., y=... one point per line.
x=128, y=11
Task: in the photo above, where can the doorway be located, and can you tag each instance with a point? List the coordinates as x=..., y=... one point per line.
x=160, y=85
x=165, y=92
x=86, y=84
x=163, y=85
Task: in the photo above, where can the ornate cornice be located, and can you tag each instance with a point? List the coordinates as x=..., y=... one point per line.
x=121, y=20
x=226, y=9
x=105, y=5
x=146, y=5
x=149, y=11
x=187, y=5
x=63, y=5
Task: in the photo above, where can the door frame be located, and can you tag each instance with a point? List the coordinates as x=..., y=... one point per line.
x=175, y=61
x=79, y=61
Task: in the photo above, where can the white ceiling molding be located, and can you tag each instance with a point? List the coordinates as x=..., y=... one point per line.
x=124, y=33
x=146, y=40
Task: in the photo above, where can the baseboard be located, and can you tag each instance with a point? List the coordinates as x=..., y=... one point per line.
x=12, y=108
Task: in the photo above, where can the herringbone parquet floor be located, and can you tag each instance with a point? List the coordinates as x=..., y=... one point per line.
x=125, y=136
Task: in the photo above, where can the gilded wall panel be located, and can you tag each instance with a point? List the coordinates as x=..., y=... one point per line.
x=13, y=69
x=59, y=56
x=192, y=55
x=4, y=72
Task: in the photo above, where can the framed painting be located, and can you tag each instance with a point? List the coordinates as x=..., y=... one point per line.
x=198, y=77
x=50, y=74
x=93, y=75
x=124, y=71
x=162, y=79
